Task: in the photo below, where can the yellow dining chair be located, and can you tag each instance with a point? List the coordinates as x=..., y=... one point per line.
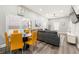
x=15, y=31
x=6, y=41
x=32, y=41
x=27, y=30
x=16, y=42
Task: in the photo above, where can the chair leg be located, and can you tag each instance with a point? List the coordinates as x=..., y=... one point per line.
x=35, y=45
x=22, y=51
x=31, y=49
x=5, y=49
x=10, y=52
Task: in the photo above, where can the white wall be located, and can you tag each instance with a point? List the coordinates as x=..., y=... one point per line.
x=5, y=10
x=2, y=25
x=12, y=10
x=73, y=28
x=63, y=24
x=43, y=21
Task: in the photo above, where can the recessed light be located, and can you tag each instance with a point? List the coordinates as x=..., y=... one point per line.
x=40, y=9
x=47, y=14
x=61, y=10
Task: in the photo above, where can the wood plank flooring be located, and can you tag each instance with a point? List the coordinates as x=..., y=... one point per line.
x=65, y=48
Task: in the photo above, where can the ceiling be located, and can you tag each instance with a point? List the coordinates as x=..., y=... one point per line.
x=51, y=11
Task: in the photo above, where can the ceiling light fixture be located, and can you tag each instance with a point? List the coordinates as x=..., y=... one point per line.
x=61, y=10
x=40, y=9
x=47, y=14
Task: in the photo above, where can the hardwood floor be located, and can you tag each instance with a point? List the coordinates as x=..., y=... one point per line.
x=44, y=48
x=65, y=48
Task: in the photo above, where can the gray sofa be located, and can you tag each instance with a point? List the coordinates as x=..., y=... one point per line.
x=49, y=37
